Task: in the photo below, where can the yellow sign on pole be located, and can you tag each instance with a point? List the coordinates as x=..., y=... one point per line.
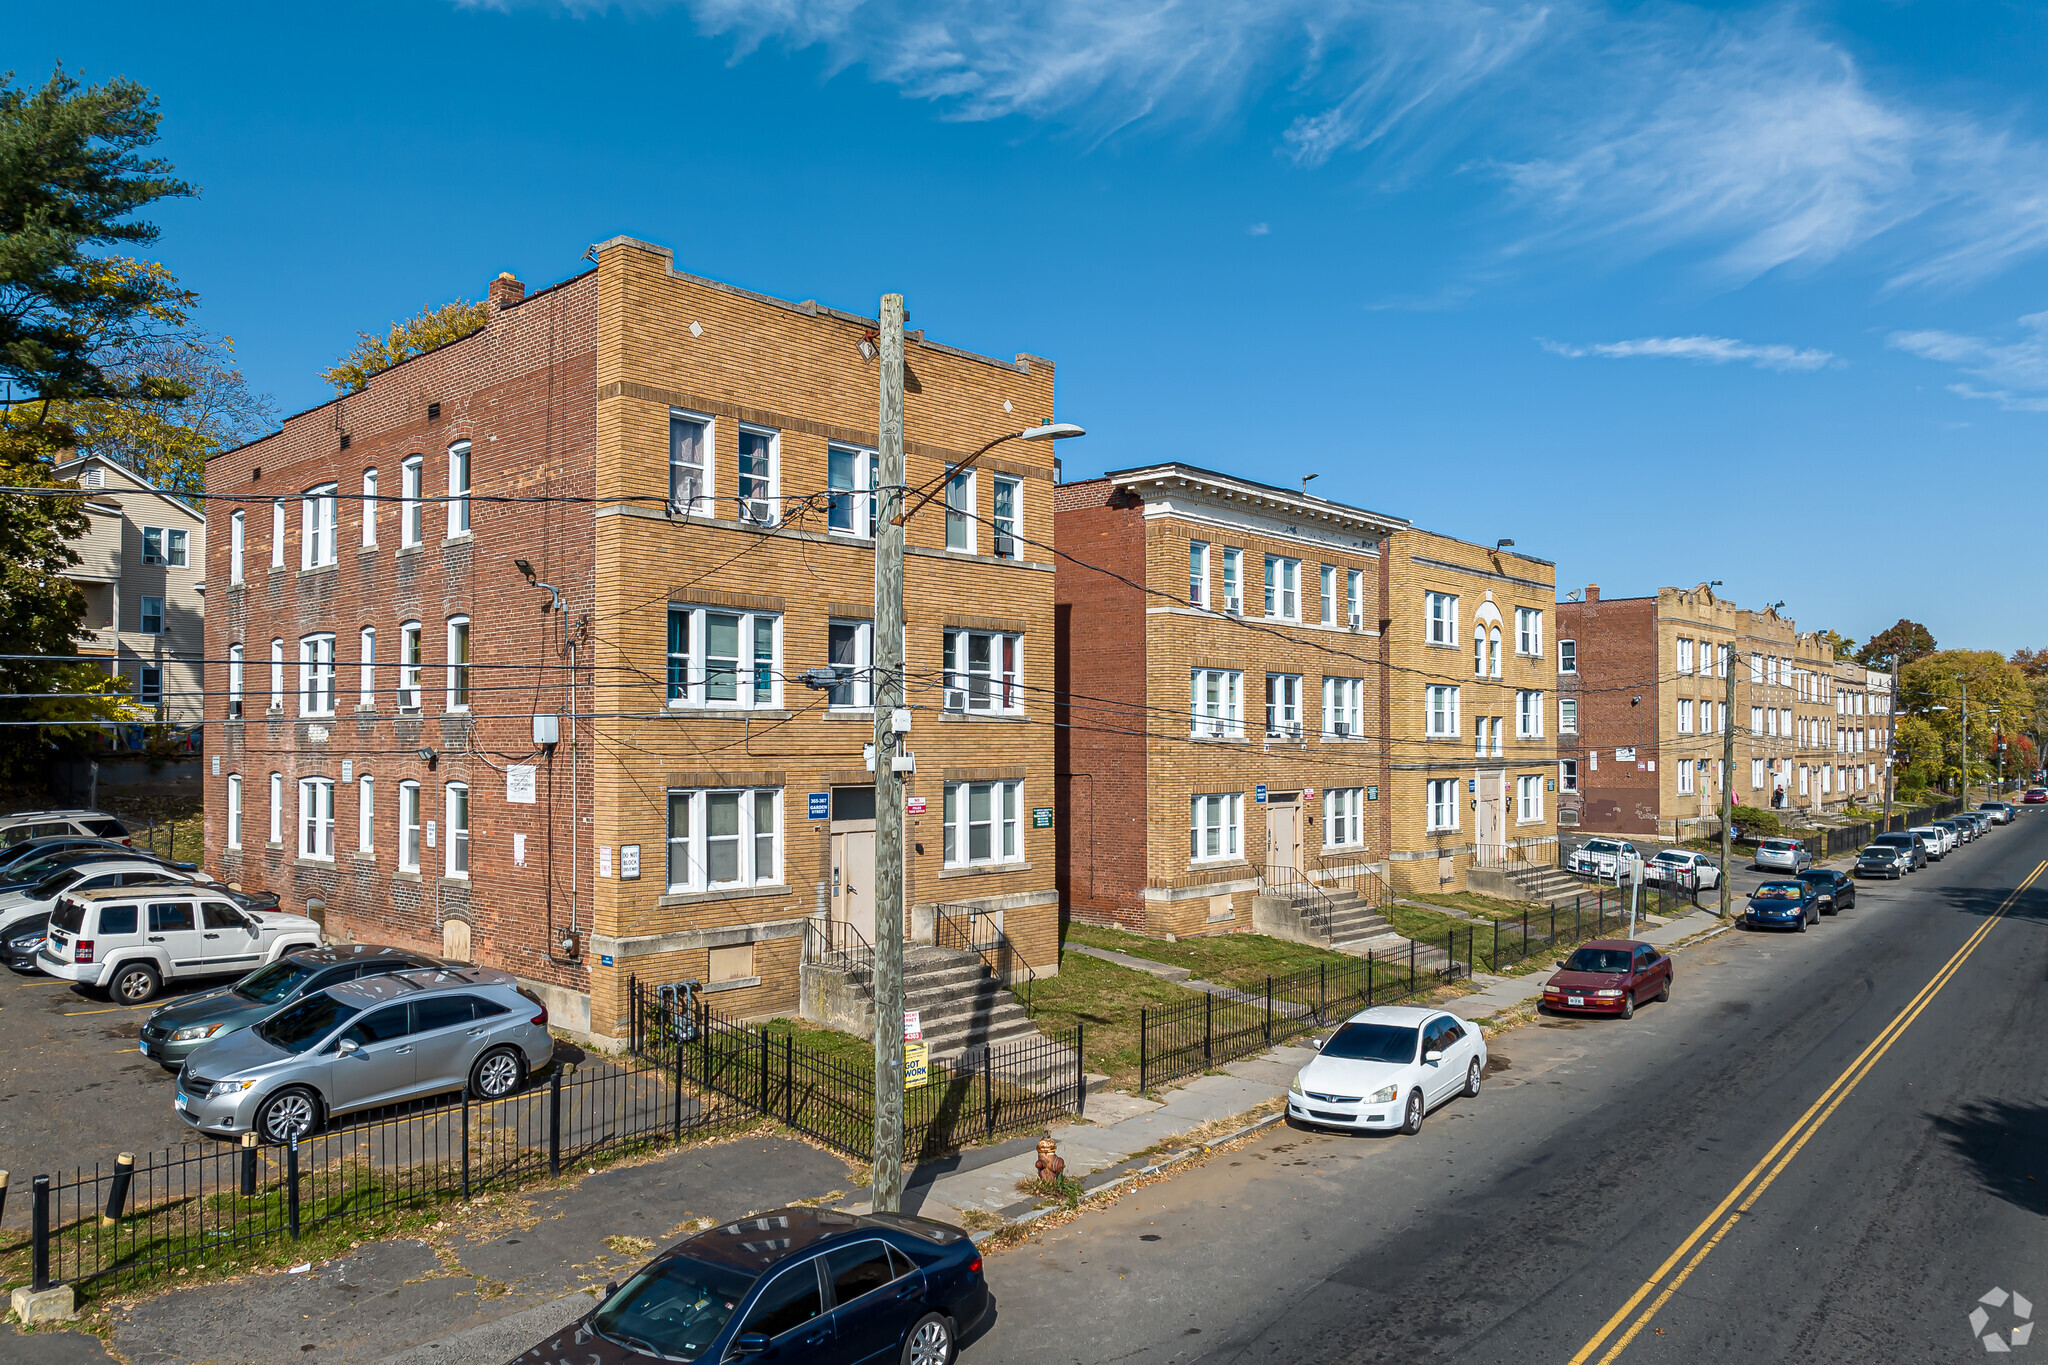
x=916, y=1057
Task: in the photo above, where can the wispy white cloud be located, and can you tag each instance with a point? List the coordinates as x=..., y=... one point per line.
x=1706, y=350
x=1259, y=230
x=2018, y=370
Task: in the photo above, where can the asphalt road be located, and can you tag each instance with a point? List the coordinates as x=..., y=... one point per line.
x=1883, y=1148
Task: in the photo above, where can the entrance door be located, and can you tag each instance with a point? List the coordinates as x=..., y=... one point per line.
x=1491, y=824
x=853, y=878
x=1283, y=835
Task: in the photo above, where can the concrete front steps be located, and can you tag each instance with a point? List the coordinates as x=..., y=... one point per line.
x=963, y=1011
x=1349, y=926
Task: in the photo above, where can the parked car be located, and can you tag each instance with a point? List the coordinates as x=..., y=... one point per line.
x=1683, y=867
x=1609, y=976
x=82, y=877
x=811, y=1285
x=363, y=1044
x=2035, y=796
x=1603, y=857
x=2001, y=812
x=30, y=871
x=1782, y=905
x=1782, y=855
x=20, y=941
x=129, y=941
x=1836, y=891
x=1962, y=831
x=1918, y=852
x=173, y=1033
x=1939, y=841
x=1884, y=860
x=1979, y=821
x=251, y=900
x=18, y=854
x=1385, y=1068
x=43, y=824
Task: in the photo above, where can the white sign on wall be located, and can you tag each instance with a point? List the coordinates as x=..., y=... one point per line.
x=348, y=770
x=604, y=860
x=519, y=850
x=519, y=783
x=629, y=862
x=430, y=834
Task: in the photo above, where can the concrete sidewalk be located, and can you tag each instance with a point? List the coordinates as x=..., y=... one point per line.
x=1502, y=993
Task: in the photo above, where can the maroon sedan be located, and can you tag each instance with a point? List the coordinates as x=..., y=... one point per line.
x=1608, y=976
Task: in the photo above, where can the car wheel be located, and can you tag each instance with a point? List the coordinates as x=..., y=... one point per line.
x=135, y=984
x=1411, y=1123
x=1472, y=1080
x=293, y=1112
x=1664, y=995
x=1628, y=1005
x=497, y=1073
x=1800, y=926
x=930, y=1341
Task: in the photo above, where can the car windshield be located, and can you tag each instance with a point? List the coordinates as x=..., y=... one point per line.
x=1880, y=851
x=1671, y=856
x=1779, y=891
x=1779, y=845
x=1603, y=846
x=297, y=1027
x=1894, y=841
x=674, y=1308
x=1612, y=960
x=48, y=887
x=268, y=985
x=1373, y=1043
x=1817, y=877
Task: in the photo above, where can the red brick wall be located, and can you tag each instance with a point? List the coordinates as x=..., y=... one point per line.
x=522, y=391
x=1617, y=661
x=1100, y=708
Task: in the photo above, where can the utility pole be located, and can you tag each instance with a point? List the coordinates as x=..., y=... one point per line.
x=1966, y=741
x=1728, y=779
x=1891, y=742
x=887, y=690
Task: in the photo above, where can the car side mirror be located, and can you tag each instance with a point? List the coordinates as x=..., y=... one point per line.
x=749, y=1344
x=348, y=1047
x=609, y=1290
x=1432, y=1057
x=1560, y=962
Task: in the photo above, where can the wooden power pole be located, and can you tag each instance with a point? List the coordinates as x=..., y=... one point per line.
x=1728, y=780
x=891, y=725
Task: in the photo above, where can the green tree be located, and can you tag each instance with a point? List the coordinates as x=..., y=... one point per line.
x=1907, y=640
x=1932, y=690
x=1844, y=647
x=422, y=332
x=2032, y=662
x=187, y=399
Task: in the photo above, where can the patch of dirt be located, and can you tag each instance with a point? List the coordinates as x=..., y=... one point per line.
x=630, y=1246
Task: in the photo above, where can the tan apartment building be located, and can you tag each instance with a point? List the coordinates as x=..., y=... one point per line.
x=1863, y=732
x=142, y=568
x=1650, y=676
x=1221, y=708
x=551, y=648
x=1471, y=709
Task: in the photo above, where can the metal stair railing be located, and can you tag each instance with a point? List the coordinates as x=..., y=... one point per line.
x=838, y=946
x=1355, y=875
x=972, y=929
x=1310, y=901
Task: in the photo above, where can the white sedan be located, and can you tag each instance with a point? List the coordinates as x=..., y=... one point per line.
x=1678, y=867
x=1386, y=1067
x=1607, y=859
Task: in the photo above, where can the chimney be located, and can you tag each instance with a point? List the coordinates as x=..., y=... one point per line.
x=506, y=290
x=1592, y=592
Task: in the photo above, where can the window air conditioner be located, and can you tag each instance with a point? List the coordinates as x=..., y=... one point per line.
x=955, y=699
x=1357, y=621
x=1343, y=730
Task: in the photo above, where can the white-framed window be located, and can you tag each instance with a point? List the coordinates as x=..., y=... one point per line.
x=149, y=684
x=410, y=652
x=1529, y=631
x=408, y=826
x=277, y=808
x=235, y=682
x=1233, y=581
x=1326, y=595
x=277, y=536
x=960, y=510
x=983, y=671
x=455, y=857
x=850, y=477
x=1684, y=715
x=1440, y=711
x=1785, y=722
x=1215, y=826
x=723, y=659
x=1198, y=573
x=316, y=675
x=1567, y=715
x=1721, y=717
x=238, y=536
x=366, y=814
x=234, y=810
x=1567, y=656
x=1684, y=655
x=458, y=663
x=1283, y=588
x=1443, y=798
x=316, y=818
x=1216, y=703
x=152, y=622
x=1528, y=798
x=1283, y=705
x=1723, y=654
x=366, y=694
x=982, y=824
x=178, y=548
x=1006, y=510
x=1440, y=614
x=316, y=526
x=760, y=469
x=1756, y=720
x=1344, y=817
x=690, y=467
x=850, y=652
x=1492, y=651
x=719, y=838
x=1497, y=727
x=277, y=675
x=1478, y=652
x=458, y=489
x=1354, y=598
x=152, y=545
x=412, y=487
x=1343, y=708
x=369, y=509
x=1528, y=715
x=1568, y=774
x=1685, y=777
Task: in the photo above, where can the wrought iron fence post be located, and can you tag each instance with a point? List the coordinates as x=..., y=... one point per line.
x=249, y=1165
x=1411, y=966
x=1322, y=991
x=789, y=1079
x=705, y=1040
x=633, y=1013
x=117, y=1189
x=1141, y=1049
x=1080, y=1068
x=291, y=1187
x=1269, y=1009
x=1496, y=945
x=988, y=1089
x=465, y=1141
x=1208, y=1030
x=766, y=1111
x=39, y=1232
x=555, y=1122
x=1368, y=978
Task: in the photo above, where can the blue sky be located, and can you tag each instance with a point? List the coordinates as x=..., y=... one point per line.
x=1664, y=293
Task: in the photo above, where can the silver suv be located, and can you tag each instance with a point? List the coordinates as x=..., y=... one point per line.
x=41, y=824
x=382, y=1040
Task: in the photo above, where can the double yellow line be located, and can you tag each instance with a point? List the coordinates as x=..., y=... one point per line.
x=1716, y=1225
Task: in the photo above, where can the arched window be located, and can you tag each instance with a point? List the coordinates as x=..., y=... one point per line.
x=1493, y=647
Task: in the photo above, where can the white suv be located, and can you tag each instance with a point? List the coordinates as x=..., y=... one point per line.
x=132, y=941
x=41, y=824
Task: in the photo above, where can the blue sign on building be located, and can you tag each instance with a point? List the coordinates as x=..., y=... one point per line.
x=821, y=805
x=1259, y=793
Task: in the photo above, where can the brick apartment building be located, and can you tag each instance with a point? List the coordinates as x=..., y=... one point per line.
x=1468, y=707
x=1220, y=693
x=1863, y=732
x=608, y=763
x=1649, y=678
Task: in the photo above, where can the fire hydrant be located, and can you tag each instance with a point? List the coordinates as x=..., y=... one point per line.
x=1051, y=1165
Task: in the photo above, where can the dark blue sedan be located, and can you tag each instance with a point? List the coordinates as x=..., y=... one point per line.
x=809, y=1285
x=1783, y=905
